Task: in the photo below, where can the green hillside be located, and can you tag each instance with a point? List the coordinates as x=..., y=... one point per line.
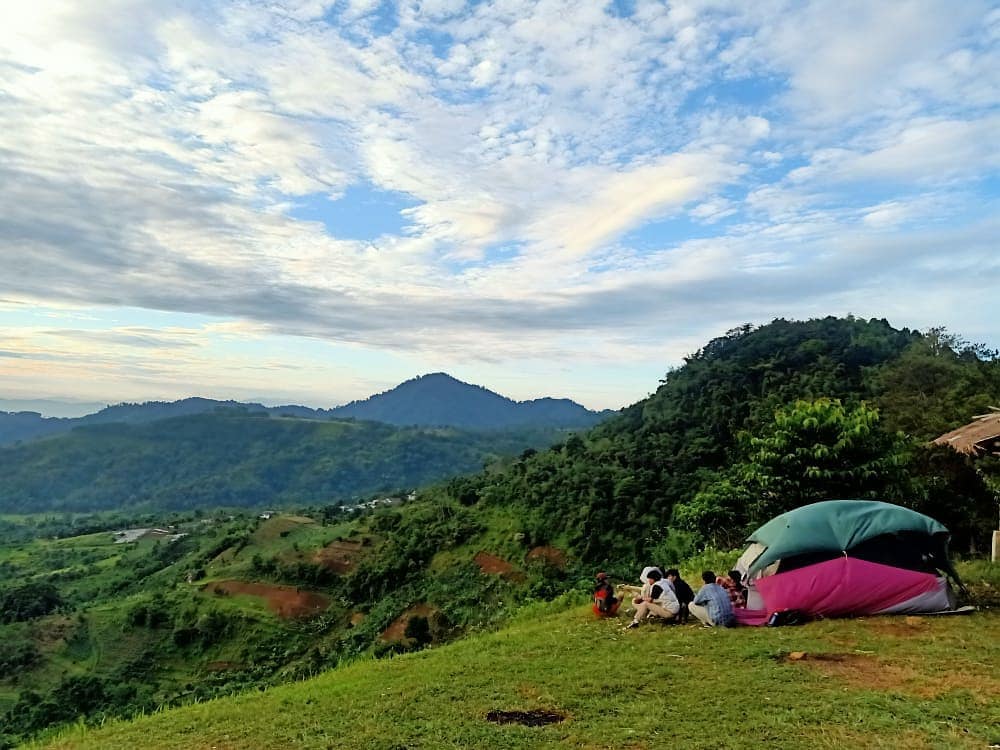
x=890, y=682
x=239, y=458
x=758, y=421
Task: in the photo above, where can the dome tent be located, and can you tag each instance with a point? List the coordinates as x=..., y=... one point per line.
x=848, y=557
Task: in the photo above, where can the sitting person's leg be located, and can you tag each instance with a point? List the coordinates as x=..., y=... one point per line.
x=701, y=613
x=656, y=609
x=641, y=611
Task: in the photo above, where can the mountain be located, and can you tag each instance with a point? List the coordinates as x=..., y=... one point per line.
x=238, y=457
x=436, y=400
x=439, y=399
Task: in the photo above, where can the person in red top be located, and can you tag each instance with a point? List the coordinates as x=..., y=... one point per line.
x=605, y=602
x=733, y=584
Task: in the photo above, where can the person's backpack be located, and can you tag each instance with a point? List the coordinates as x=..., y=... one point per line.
x=787, y=617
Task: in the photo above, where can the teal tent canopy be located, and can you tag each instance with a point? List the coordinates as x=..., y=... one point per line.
x=835, y=525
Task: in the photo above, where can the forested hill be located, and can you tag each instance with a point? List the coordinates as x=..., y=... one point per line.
x=436, y=400
x=758, y=421
x=439, y=399
x=239, y=458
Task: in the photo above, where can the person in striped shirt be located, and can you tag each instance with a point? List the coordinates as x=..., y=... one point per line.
x=711, y=604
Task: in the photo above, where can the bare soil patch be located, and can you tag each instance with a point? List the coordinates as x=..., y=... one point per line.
x=53, y=632
x=397, y=629
x=873, y=673
x=533, y=718
x=493, y=565
x=340, y=557
x=548, y=555
x=859, y=670
x=287, y=602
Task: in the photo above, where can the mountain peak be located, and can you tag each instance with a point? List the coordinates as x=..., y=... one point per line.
x=437, y=398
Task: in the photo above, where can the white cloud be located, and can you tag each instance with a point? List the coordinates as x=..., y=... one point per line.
x=151, y=155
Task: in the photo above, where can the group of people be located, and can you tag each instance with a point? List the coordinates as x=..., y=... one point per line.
x=670, y=598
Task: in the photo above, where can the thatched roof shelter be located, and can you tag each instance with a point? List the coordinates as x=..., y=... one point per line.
x=980, y=437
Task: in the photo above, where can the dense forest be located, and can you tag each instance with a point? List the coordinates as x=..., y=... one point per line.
x=756, y=422
x=239, y=458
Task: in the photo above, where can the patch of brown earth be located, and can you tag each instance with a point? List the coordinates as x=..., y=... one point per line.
x=397, y=628
x=341, y=557
x=288, y=602
x=548, y=555
x=53, y=632
x=859, y=670
x=357, y=618
x=868, y=671
x=493, y=565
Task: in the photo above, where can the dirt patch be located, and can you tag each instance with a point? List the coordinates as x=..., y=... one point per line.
x=548, y=555
x=51, y=633
x=357, y=618
x=534, y=718
x=287, y=602
x=397, y=629
x=900, y=627
x=859, y=670
x=868, y=671
x=493, y=565
x=340, y=557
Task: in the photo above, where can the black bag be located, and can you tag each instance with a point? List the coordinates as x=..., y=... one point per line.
x=787, y=617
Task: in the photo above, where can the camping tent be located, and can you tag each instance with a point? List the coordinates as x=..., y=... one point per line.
x=847, y=557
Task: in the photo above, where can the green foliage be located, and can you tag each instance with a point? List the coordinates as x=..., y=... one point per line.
x=28, y=601
x=811, y=451
x=236, y=459
x=937, y=384
x=17, y=655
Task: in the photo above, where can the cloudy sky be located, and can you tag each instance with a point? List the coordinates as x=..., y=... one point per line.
x=310, y=201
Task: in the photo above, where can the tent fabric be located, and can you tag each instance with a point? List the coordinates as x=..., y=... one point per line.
x=835, y=525
x=940, y=599
x=845, y=586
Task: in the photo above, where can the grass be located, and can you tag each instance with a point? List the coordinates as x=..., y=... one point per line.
x=871, y=682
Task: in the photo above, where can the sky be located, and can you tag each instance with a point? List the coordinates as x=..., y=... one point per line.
x=303, y=201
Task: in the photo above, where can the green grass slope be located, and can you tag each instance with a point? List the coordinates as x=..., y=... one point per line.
x=872, y=682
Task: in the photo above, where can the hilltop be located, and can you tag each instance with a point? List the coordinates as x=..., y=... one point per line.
x=874, y=682
x=439, y=399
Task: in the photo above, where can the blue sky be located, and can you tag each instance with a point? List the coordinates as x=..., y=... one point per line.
x=311, y=201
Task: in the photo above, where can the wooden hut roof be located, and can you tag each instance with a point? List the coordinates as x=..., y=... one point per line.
x=981, y=435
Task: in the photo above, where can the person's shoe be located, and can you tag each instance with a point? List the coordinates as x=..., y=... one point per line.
x=631, y=625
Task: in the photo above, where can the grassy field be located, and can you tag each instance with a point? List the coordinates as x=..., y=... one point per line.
x=889, y=682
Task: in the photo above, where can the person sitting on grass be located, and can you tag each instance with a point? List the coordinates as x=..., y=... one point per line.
x=712, y=605
x=657, y=598
x=733, y=584
x=605, y=602
x=683, y=592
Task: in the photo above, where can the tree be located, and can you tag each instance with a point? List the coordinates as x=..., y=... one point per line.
x=811, y=451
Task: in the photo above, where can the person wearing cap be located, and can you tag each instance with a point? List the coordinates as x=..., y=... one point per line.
x=657, y=598
x=605, y=602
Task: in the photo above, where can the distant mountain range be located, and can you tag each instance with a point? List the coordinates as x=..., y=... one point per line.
x=435, y=400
